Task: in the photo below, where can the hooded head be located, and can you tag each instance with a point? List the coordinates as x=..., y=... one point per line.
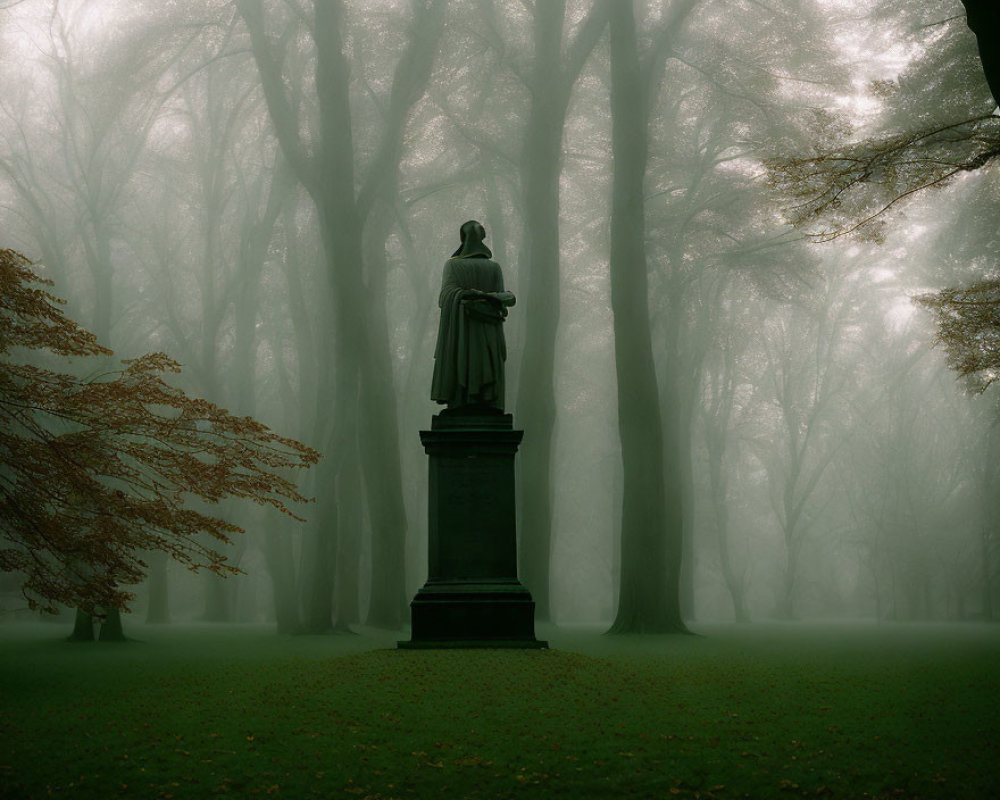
x=472, y=234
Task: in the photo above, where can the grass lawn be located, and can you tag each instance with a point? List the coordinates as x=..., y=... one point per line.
x=754, y=711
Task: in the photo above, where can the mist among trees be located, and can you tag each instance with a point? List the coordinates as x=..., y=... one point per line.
x=715, y=216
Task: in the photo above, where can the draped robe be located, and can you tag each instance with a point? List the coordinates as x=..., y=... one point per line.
x=471, y=349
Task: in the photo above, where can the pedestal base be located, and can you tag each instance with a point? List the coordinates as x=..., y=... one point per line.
x=454, y=614
x=473, y=644
x=472, y=597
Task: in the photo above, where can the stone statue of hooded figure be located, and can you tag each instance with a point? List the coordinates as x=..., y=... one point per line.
x=471, y=349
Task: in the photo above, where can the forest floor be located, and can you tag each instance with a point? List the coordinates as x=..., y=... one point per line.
x=762, y=711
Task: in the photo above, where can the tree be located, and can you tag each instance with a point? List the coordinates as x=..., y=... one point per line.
x=352, y=221
x=551, y=81
x=97, y=470
x=850, y=188
x=718, y=400
x=807, y=377
x=915, y=519
x=984, y=20
x=968, y=322
x=722, y=91
x=80, y=173
x=651, y=521
x=936, y=125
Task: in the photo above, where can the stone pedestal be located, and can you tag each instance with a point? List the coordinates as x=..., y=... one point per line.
x=472, y=597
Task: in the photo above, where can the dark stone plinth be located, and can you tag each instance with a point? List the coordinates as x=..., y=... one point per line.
x=472, y=597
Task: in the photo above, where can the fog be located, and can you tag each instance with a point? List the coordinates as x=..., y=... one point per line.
x=726, y=416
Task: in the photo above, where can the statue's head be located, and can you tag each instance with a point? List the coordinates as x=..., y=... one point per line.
x=472, y=234
x=472, y=229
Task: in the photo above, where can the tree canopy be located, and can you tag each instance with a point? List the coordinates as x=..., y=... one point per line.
x=846, y=187
x=100, y=469
x=968, y=320
x=848, y=181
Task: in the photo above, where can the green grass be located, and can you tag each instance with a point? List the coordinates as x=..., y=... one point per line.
x=758, y=711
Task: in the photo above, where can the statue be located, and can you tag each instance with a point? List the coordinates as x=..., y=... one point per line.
x=472, y=597
x=471, y=349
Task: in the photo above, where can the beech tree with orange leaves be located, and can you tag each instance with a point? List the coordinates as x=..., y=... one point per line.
x=96, y=471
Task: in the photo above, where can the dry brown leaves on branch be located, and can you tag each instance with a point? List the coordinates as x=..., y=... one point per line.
x=968, y=321
x=849, y=189
x=94, y=472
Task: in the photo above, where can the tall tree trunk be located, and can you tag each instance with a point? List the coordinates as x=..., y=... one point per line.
x=541, y=167
x=217, y=602
x=318, y=557
x=350, y=526
x=158, y=610
x=786, y=601
x=722, y=385
x=734, y=583
x=83, y=627
x=987, y=573
x=281, y=569
x=684, y=457
x=111, y=628
x=651, y=533
x=99, y=260
x=288, y=582
x=378, y=446
x=362, y=340
x=257, y=236
x=318, y=560
x=553, y=75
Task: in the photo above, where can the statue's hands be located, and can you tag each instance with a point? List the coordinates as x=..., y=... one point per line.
x=471, y=294
x=502, y=299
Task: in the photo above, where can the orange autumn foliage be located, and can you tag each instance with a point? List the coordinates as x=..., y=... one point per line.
x=93, y=472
